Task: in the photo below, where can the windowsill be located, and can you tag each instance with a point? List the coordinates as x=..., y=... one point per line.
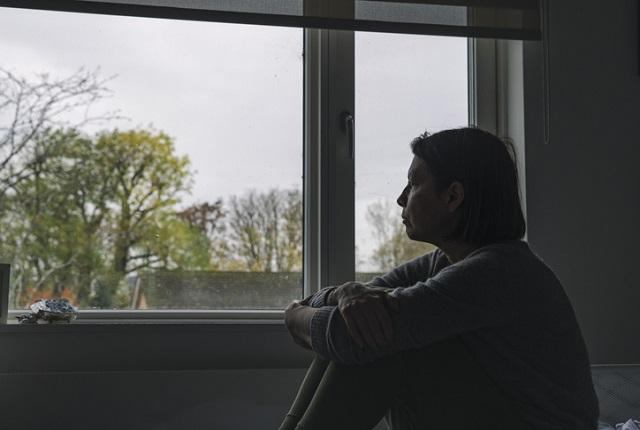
x=164, y=317
x=146, y=326
x=120, y=345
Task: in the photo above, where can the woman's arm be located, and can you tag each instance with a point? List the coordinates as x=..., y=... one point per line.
x=405, y=275
x=298, y=319
x=298, y=314
x=461, y=299
x=362, y=329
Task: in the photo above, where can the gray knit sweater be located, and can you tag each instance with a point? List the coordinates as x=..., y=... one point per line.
x=510, y=310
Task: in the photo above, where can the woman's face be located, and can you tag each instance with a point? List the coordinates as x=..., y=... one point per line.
x=427, y=214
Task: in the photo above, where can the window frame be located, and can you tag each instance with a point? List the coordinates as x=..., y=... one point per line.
x=195, y=340
x=328, y=247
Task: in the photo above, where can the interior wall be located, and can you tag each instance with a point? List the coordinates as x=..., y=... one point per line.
x=583, y=187
x=228, y=399
x=148, y=376
x=224, y=399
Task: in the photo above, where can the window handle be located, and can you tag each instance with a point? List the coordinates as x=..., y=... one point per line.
x=347, y=126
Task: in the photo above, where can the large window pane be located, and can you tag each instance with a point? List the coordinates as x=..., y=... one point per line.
x=149, y=163
x=405, y=85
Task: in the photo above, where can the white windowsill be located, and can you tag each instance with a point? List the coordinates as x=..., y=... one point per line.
x=164, y=317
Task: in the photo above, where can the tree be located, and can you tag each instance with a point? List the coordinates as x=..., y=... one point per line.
x=208, y=219
x=28, y=108
x=266, y=230
x=149, y=179
x=96, y=209
x=170, y=243
x=79, y=172
x=47, y=229
x=393, y=245
x=37, y=119
x=289, y=242
x=204, y=216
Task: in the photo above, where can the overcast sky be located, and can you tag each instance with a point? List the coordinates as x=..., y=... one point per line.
x=231, y=95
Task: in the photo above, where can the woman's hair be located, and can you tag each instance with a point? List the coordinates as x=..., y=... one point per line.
x=485, y=166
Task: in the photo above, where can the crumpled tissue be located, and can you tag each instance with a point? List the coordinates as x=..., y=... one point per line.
x=629, y=425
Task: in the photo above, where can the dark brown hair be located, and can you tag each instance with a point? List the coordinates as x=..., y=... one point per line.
x=486, y=167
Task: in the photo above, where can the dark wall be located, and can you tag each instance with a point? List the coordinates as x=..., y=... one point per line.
x=583, y=188
x=170, y=400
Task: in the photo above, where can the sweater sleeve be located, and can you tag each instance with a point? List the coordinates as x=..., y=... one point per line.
x=463, y=297
x=319, y=298
x=402, y=276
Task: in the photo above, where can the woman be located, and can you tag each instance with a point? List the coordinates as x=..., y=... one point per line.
x=478, y=334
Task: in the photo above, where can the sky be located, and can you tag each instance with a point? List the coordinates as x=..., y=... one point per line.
x=231, y=95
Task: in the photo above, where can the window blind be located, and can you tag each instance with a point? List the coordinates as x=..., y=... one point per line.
x=501, y=19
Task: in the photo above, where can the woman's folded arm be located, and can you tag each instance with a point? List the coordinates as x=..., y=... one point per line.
x=451, y=303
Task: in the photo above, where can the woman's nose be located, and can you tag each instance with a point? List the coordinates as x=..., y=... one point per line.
x=401, y=198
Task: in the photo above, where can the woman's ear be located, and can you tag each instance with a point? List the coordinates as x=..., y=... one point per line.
x=454, y=196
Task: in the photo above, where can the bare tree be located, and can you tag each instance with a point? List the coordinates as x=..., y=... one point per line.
x=266, y=230
x=30, y=107
x=204, y=216
x=289, y=241
x=393, y=245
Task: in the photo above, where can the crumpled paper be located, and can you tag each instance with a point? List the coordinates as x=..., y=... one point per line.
x=631, y=424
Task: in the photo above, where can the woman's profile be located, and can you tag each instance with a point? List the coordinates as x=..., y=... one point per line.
x=478, y=334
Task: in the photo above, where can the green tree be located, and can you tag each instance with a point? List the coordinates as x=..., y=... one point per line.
x=36, y=223
x=81, y=175
x=55, y=212
x=208, y=219
x=94, y=210
x=393, y=246
x=144, y=227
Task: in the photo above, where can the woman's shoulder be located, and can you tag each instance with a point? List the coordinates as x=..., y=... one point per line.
x=416, y=270
x=507, y=259
x=516, y=250
x=427, y=265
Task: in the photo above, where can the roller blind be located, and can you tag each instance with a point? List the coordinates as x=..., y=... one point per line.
x=503, y=19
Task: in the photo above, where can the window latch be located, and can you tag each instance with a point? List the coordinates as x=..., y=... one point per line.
x=347, y=123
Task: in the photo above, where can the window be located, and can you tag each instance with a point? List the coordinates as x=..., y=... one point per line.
x=404, y=85
x=153, y=164
x=223, y=122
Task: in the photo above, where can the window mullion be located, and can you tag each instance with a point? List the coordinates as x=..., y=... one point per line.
x=338, y=192
x=312, y=156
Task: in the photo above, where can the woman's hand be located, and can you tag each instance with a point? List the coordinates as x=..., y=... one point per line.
x=366, y=312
